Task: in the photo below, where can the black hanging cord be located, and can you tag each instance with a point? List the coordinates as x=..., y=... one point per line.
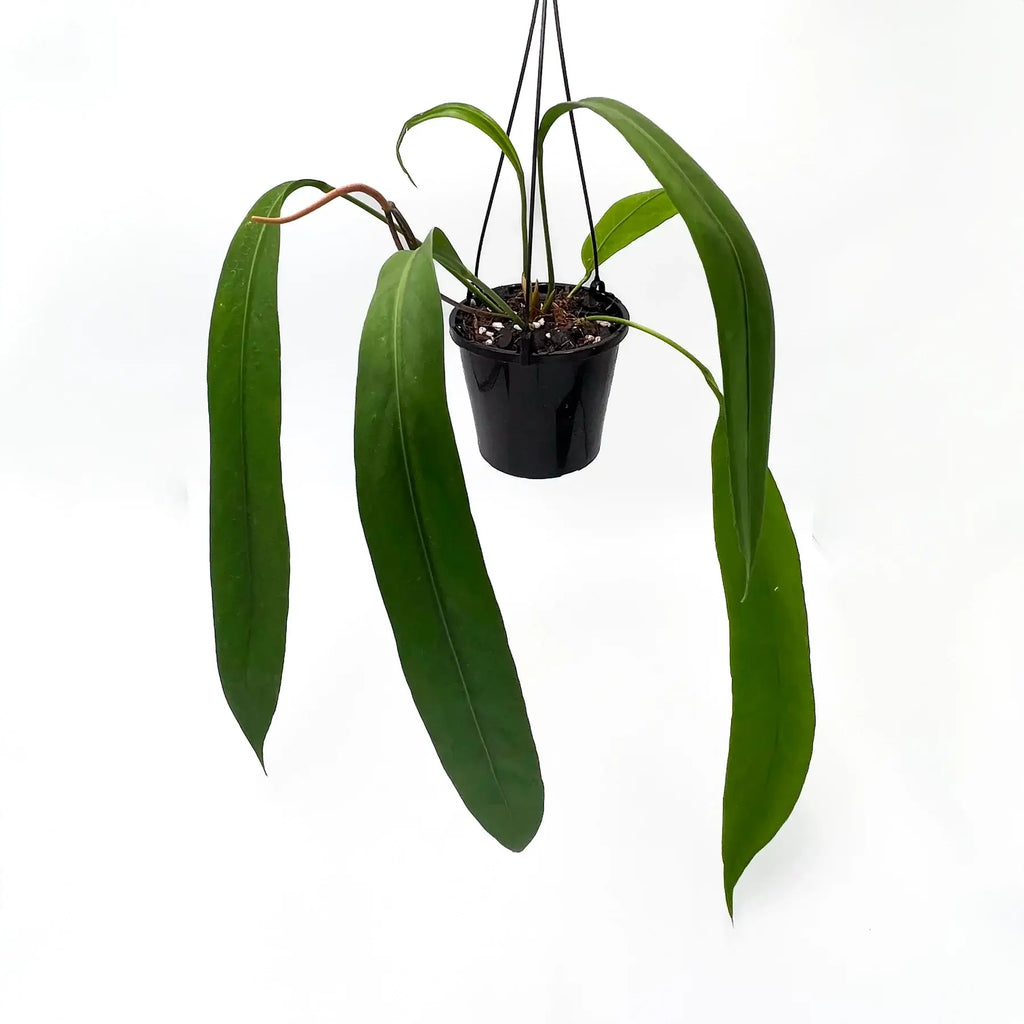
x=533, y=160
x=508, y=131
x=598, y=283
x=526, y=343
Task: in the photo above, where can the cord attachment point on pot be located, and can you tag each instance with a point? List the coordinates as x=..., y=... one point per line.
x=526, y=347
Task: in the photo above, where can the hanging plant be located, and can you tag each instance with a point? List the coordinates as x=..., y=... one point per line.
x=538, y=357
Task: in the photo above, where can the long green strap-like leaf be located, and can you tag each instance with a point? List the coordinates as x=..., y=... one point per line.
x=248, y=532
x=769, y=656
x=739, y=291
x=626, y=221
x=426, y=555
x=772, y=696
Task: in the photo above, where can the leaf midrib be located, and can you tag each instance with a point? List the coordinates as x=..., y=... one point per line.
x=399, y=295
x=244, y=439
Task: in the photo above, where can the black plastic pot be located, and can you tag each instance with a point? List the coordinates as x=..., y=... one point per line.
x=541, y=415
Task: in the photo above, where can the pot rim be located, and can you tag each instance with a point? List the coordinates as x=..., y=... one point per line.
x=509, y=356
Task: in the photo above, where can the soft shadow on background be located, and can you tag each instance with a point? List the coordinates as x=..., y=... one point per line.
x=149, y=871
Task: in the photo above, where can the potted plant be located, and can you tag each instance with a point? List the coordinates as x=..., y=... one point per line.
x=538, y=357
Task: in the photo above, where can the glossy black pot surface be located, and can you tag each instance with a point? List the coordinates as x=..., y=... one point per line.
x=541, y=416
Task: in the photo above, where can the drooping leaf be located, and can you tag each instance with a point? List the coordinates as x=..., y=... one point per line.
x=739, y=292
x=772, y=696
x=626, y=221
x=248, y=532
x=426, y=555
x=471, y=115
x=485, y=123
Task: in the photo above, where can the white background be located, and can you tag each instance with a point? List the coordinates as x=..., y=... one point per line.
x=150, y=872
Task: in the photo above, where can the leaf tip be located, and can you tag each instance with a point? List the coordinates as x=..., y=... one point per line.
x=258, y=751
x=730, y=890
x=516, y=845
x=256, y=734
x=520, y=827
x=406, y=173
x=398, y=154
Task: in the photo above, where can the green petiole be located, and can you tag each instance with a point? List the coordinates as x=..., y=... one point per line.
x=705, y=372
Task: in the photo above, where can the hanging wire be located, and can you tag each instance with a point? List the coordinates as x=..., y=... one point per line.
x=533, y=160
x=598, y=283
x=508, y=131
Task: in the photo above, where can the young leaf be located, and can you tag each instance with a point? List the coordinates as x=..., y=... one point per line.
x=248, y=532
x=474, y=116
x=626, y=221
x=479, y=119
x=426, y=555
x=739, y=291
x=772, y=697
